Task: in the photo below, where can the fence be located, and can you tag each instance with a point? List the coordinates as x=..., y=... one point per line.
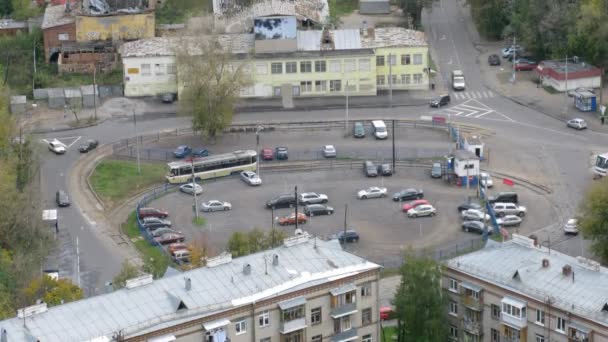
x=147, y=198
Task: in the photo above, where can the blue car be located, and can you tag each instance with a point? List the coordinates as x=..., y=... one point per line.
x=200, y=152
x=182, y=151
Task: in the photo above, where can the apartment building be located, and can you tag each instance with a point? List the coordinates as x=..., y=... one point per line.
x=306, y=290
x=519, y=291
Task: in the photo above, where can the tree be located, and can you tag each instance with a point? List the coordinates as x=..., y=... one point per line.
x=275, y=237
x=210, y=82
x=238, y=244
x=254, y=241
x=51, y=291
x=199, y=249
x=594, y=219
x=590, y=38
x=6, y=8
x=491, y=16
x=413, y=10
x=420, y=305
x=128, y=271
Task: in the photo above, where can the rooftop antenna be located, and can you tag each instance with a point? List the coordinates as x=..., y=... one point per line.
x=266, y=264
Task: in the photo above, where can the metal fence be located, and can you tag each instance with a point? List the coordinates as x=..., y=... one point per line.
x=147, y=198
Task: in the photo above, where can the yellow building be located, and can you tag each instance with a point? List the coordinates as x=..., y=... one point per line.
x=117, y=26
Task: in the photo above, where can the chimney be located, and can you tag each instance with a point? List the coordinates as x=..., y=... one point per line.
x=247, y=269
x=67, y=7
x=370, y=32
x=364, y=28
x=109, y=286
x=535, y=239
x=566, y=270
x=4, y=336
x=275, y=260
x=545, y=263
x=188, y=284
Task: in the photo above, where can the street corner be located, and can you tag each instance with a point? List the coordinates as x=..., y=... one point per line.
x=67, y=142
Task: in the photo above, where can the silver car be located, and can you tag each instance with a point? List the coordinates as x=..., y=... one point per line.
x=474, y=215
x=372, y=192
x=509, y=221
x=577, y=123
x=190, y=188
x=251, y=178
x=329, y=151
x=215, y=205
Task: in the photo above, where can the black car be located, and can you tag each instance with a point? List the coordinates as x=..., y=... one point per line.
x=475, y=227
x=469, y=205
x=493, y=60
x=281, y=153
x=318, y=209
x=385, y=169
x=88, y=146
x=370, y=169
x=408, y=194
x=348, y=236
x=282, y=201
x=62, y=198
x=441, y=100
x=504, y=197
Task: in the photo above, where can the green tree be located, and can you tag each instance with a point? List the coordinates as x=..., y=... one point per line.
x=24, y=9
x=238, y=244
x=490, y=16
x=6, y=8
x=420, y=305
x=594, y=219
x=412, y=9
x=128, y=271
x=275, y=237
x=256, y=240
x=590, y=38
x=51, y=291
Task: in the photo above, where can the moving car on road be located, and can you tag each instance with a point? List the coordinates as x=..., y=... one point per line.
x=312, y=198
x=348, y=236
x=329, y=151
x=88, y=146
x=486, y=179
x=577, y=123
x=197, y=153
x=385, y=170
x=379, y=129
x=267, y=154
x=251, y=178
x=414, y=204
x=371, y=192
x=359, y=130
x=422, y=210
x=474, y=215
x=318, y=209
x=436, y=171
x=571, y=227
x=191, y=188
x=475, y=227
x=509, y=221
x=441, y=100
x=291, y=219
x=57, y=147
x=182, y=151
x=62, y=198
x=408, y=194
x=493, y=60
x=215, y=205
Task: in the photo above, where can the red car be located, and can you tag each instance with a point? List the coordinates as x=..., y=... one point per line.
x=152, y=212
x=524, y=64
x=169, y=238
x=385, y=312
x=177, y=246
x=291, y=219
x=267, y=154
x=414, y=204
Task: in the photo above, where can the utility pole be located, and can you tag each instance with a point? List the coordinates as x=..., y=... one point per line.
x=296, y=194
x=394, y=170
x=95, y=90
x=566, y=89
x=514, y=56
x=257, y=142
x=390, y=80
x=34, y=75
x=345, y=213
x=137, y=141
x=346, y=114
x=194, y=189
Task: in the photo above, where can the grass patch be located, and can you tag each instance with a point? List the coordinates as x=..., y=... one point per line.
x=388, y=333
x=496, y=237
x=117, y=180
x=178, y=11
x=339, y=8
x=155, y=260
x=199, y=221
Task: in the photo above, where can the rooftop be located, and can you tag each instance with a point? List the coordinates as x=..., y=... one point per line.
x=560, y=66
x=517, y=265
x=301, y=262
x=393, y=36
x=315, y=10
x=6, y=24
x=165, y=46
x=56, y=16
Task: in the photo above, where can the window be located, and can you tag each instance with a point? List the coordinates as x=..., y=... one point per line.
x=334, y=66
x=63, y=36
x=453, y=284
x=453, y=308
x=306, y=86
x=277, y=91
x=561, y=324
x=295, y=90
x=261, y=68
x=393, y=79
x=320, y=86
x=366, y=316
x=417, y=58
x=392, y=59
x=348, y=297
x=364, y=64
x=317, y=338
x=296, y=336
x=366, y=338
x=291, y=67
x=276, y=68
x=540, y=338
x=406, y=79
x=315, y=316
x=241, y=327
x=171, y=69
x=380, y=80
x=293, y=313
x=335, y=85
x=379, y=60
x=417, y=78
x=453, y=332
x=342, y=324
x=267, y=339
x=540, y=317
x=405, y=59
x=513, y=311
x=495, y=311
x=494, y=335
x=145, y=70
x=264, y=319
x=350, y=65
x=366, y=290
x=320, y=66
x=305, y=66
x=159, y=69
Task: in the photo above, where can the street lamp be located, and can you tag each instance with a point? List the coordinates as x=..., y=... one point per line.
x=257, y=143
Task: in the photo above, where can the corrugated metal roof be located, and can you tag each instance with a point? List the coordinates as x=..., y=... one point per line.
x=56, y=16
x=166, y=46
x=346, y=39
x=152, y=307
x=309, y=40
x=583, y=293
x=393, y=36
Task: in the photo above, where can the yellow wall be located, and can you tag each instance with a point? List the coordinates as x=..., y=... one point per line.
x=115, y=27
x=399, y=69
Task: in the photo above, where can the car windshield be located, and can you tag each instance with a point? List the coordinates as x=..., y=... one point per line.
x=381, y=129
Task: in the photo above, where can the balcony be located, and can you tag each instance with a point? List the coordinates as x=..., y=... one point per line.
x=344, y=310
x=518, y=322
x=471, y=326
x=472, y=303
x=293, y=325
x=579, y=333
x=345, y=336
x=510, y=339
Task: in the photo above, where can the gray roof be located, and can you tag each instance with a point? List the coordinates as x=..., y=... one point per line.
x=56, y=16
x=584, y=293
x=166, y=46
x=343, y=39
x=315, y=10
x=392, y=37
x=214, y=289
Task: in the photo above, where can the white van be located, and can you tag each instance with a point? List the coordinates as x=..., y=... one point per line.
x=379, y=129
x=458, y=80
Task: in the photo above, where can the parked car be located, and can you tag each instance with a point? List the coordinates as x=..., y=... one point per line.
x=414, y=204
x=485, y=180
x=155, y=222
x=251, y=178
x=476, y=227
x=88, y=146
x=422, y=210
x=312, y=198
x=291, y=219
x=385, y=170
x=469, y=205
x=573, y=92
x=318, y=209
x=509, y=51
x=281, y=153
x=165, y=230
x=169, y=238
x=62, y=198
x=182, y=255
x=525, y=64
x=440, y=100
x=182, y=151
x=370, y=169
x=329, y=151
x=152, y=212
x=267, y=154
x=474, y=215
x=167, y=97
x=359, y=130
x=371, y=192
x=215, y=205
x=571, y=227
x=506, y=196
x=177, y=246
x=493, y=60
x=386, y=312
x=436, y=171
x=191, y=188
x=153, y=227
x=198, y=153
x=348, y=236
x=503, y=209
x=282, y=201
x=577, y=123
x=57, y=147
x=408, y=194
x=509, y=221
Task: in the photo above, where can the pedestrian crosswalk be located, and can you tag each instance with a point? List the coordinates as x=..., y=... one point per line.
x=467, y=95
x=472, y=108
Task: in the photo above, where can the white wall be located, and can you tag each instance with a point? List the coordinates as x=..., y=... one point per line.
x=589, y=82
x=159, y=79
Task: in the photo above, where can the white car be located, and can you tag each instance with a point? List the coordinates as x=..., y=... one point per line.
x=329, y=151
x=372, y=192
x=57, y=147
x=577, y=123
x=571, y=227
x=506, y=52
x=509, y=221
x=215, y=205
x=251, y=178
x=502, y=209
x=312, y=198
x=485, y=180
x=190, y=188
x=422, y=210
x=474, y=215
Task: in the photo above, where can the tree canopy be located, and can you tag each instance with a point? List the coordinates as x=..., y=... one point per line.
x=594, y=219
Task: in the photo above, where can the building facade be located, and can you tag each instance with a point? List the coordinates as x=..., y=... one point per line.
x=305, y=290
x=115, y=27
x=519, y=291
x=57, y=28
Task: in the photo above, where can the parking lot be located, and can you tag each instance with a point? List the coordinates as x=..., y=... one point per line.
x=383, y=227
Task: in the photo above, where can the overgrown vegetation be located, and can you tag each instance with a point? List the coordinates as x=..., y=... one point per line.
x=19, y=9
x=339, y=8
x=178, y=11
x=256, y=240
x=594, y=219
x=155, y=261
x=412, y=10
